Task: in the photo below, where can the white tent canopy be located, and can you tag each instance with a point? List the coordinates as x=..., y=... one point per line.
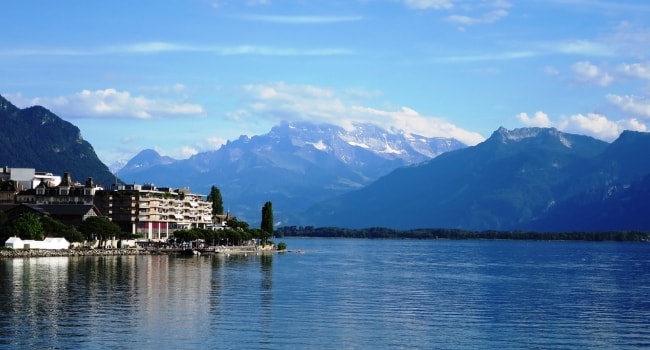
x=48, y=243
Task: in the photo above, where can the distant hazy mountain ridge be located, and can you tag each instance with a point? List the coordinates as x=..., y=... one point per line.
x=529, y=178
x=294, y=165
x=146, y=159
x=323, y=175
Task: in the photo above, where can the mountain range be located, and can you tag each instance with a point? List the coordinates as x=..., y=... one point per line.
x=537, y=179
x=36, y=138
x=525, y=179
x=294, y=166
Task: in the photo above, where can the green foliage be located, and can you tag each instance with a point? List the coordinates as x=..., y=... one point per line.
x=3, y=218
x=71, y=234
x=237, y=225
x=282, y=246
x=100, y=228
x=267, y=220
x=217, y=201
x=27, y=226
x=55, y=228
x=4, y=234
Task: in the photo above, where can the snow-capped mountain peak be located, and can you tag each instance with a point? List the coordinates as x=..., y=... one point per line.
x=347, y=144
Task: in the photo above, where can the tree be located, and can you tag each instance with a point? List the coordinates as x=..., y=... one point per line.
x=27, y=226
x=55, y=228
x=99, y=228
x=71, y=234
x=267, y=220
x=4, y=220
x=236, y=224
x=52, y=226
x=217, y=201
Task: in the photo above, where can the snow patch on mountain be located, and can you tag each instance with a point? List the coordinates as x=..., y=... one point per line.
x=526, y=133
x=320, y=145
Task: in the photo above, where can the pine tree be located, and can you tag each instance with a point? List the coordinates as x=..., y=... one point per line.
x=217, y=201
x=267, y=220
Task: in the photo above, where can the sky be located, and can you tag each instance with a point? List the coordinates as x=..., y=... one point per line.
x=185, y=76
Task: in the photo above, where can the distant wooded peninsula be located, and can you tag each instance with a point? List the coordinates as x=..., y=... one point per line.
x=458, y=234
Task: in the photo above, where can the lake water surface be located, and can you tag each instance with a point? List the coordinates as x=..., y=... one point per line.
x=338, y=294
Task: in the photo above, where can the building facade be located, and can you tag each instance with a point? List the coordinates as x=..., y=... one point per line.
x=144, y=210
x=28, y=177
x=154, y=213
x=67, y=192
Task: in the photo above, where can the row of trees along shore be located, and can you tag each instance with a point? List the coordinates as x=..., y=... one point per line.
x=235, y=233
x=457, y=234
x=32, y=226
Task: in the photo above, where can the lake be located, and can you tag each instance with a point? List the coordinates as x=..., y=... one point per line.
x=337, y=294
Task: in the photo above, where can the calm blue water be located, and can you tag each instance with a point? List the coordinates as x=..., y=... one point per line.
x=339, y=294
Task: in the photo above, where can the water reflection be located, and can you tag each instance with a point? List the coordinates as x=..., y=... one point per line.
x=92, y=301
x=354, y=294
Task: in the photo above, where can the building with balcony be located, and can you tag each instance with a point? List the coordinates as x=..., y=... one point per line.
x=154, y=213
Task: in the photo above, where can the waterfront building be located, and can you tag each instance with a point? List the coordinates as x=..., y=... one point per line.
x=154, y=213
x=147, y=211
x=68, y=214
x=66, y=192
x=28, y=178
x=60, y=198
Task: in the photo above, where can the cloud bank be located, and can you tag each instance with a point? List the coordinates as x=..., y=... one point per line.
x=592, y=124
x=283, y=102
x=112, y=104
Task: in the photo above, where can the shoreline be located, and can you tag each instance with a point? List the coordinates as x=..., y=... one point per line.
x=41, y=253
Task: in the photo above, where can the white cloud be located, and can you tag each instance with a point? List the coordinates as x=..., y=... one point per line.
x=159, y=47
x=579, y=47
x=480, y=13
x=216, y=142
x=499, y=56
x=633, y=124
x=486, y=18
x=540, y=119
x=429, y=4
x=550, y=70
x=629, y=40
x=178, y=90
x=112, y=104
x=188, y=151
x=635, y=70
x=279, y=101
x=300, y=19
x=592, y=124
x=636, y=105
x=592, y=74
x=410, y=121
x=257, y=2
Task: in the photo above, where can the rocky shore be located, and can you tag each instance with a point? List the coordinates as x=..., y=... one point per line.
x=35, y=253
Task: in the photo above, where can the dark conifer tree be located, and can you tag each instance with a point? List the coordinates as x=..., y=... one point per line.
x=217, y=201
x=267, y=219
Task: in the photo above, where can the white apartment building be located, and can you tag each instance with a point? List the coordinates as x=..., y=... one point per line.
x=155, y=213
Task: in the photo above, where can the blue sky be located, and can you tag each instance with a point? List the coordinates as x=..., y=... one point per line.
x=184, y=76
